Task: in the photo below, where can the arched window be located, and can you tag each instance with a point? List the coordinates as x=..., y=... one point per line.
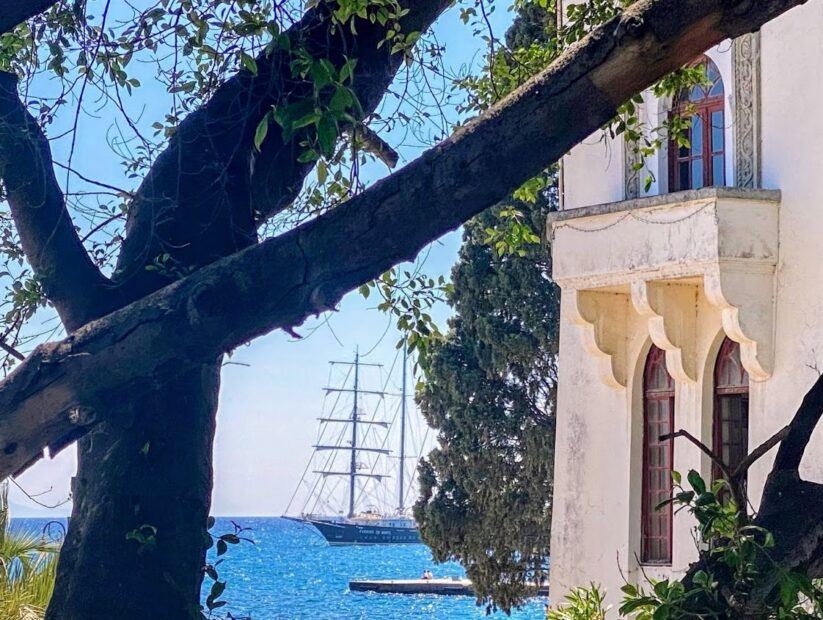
x=701, y=162
x=731, y=406
x=658, y=457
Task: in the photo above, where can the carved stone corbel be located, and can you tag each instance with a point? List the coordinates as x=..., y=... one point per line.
x=603, y=319
x=745, y=299
x=671, y=311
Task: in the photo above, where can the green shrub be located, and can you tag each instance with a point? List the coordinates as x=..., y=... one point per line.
x=28, y=564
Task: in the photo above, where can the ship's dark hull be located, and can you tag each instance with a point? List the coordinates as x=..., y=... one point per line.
x=356, y=534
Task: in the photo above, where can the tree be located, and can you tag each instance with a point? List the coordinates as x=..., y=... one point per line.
x=136, y=379
x=489, y=387
x=489, y=392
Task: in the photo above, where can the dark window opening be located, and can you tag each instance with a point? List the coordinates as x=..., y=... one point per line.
x=658, y=458
x=702, y=162
x=731, y=407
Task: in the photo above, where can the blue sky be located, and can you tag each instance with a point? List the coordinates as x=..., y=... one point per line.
x=272, y=391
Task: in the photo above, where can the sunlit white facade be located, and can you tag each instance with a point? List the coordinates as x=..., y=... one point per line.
x=695, y=303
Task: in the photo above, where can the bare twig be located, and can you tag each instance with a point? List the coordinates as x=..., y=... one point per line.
x=114, y=188
x=703, y=447
x=759, y=451
x=372, y=143
x=11, y=350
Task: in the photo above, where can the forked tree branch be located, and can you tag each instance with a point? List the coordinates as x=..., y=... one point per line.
x=51, y=397
x=721, y=465
x=69, y=277
x=199, y=202
x=791, y=509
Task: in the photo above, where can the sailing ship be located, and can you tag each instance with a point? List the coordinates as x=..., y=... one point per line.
x=360, y=468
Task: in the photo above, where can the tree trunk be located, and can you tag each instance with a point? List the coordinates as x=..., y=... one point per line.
x=137, y=538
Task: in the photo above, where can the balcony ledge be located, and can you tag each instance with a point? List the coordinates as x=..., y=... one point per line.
x=653, y=255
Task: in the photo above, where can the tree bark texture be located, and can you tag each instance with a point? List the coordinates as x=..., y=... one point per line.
x=14, y=12
x=137, y=539
x=278, y=283
x=144, y=376
x=196, y=205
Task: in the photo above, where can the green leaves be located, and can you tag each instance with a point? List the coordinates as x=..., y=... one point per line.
x=735, y=561
x=408, y=297
x=222, y=543
x=327, y=133
x=581, y=604
x=697, y=482
x=512, y=234
x=488, y=391
x=333, y=103
x=262, y=130
x=145, y=536
x=249, y=63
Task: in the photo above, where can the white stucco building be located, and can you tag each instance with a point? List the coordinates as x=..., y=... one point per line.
x=697, y=304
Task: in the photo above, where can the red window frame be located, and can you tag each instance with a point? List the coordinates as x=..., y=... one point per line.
x=658, y=460
x=705, y=106
x=730, y=424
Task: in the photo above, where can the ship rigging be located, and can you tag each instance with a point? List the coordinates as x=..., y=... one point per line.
x=356, y=454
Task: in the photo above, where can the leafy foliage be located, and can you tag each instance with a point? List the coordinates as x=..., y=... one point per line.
x=214, y=601
x=734, y=561
x=489, y=383
x=78, y=54
x=489, y=392
x=581, y=604
x=28, y=564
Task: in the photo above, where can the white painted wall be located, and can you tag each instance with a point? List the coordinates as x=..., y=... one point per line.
x=596, y=524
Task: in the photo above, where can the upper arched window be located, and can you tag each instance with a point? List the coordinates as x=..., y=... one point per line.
x=701, y=161
x=658, y=458
x=731, y=406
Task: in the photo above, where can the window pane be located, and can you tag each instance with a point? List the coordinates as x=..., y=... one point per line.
x=685, y=181
x=711, y=71
x=718, y=139
x=696, y=136
x=697, y=173
x=717, y=89
x=718, y=170
x=657, y=484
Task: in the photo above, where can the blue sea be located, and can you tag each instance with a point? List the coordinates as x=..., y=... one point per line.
x=290, y=573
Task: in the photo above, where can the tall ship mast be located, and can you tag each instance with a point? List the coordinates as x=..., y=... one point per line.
x=357, y=455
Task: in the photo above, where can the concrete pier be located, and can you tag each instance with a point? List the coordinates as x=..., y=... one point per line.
x=445, y=587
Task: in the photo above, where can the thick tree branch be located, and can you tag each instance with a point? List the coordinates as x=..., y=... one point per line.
x=69, y=277
x=278, y=176
x=791, y=509
x=799, y=434
x=14, y=12
x=50, y=398
x=207, y=193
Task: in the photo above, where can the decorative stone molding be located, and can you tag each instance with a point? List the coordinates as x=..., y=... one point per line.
x=746, y=109
x=662, y=256
x=745, y=297
x=671, y=310
x=603, y=318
